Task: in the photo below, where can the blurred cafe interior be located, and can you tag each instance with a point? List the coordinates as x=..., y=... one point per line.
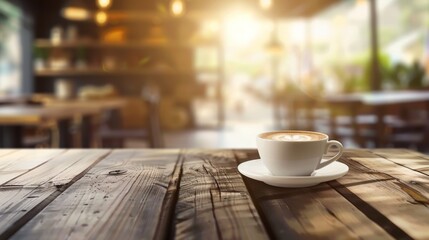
x=207, y=74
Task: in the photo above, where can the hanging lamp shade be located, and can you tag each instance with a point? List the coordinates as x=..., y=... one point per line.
x=77, y=10
x=274, y=46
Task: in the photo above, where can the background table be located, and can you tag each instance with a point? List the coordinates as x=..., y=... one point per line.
x=194, y=194
x=380, y=101
x=14, y=118
x=109, y=109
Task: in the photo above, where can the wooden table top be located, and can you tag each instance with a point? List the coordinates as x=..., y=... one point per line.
x=100, y=104
x=195, y=194
x=34, y=115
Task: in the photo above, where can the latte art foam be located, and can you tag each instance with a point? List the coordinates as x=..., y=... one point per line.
x=293, y=136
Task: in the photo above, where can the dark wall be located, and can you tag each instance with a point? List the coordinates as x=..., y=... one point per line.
x=47, y=15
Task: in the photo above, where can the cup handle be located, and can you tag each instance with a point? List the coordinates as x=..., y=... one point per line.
x=334, y=158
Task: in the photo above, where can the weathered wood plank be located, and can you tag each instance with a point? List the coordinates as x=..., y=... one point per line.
x=22, y=197
x=213, y=200
x=405, y=157
x=317, y=212
x=60, y=170
x=16, y=163
x=403, y=176
x=4, y=152
x=105, y=206
x=399, y=194
x=392, y=152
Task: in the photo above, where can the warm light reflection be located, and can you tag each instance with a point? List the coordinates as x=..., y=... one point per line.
x=241, y=29
x=104, y=4
x=265, y=4
x=177, y=7
x=75, y=13
x=101, y=18
x=209, y=28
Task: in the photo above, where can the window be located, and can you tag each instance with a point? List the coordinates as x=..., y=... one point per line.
x=10, y=49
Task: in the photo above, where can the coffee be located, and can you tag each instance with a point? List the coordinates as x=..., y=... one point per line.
x=294, y=152
x=293, y=136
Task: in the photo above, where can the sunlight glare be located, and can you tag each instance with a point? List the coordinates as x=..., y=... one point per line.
x=241, y=29
x=209, y=28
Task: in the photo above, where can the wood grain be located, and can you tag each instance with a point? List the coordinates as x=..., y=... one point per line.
x=14, y=163
x=23, y=196
x=101, y=105
x=318, y=212
x=213, y=201
x=104, y=206
x=407, y=158
x=59, y=170
x=397, y=193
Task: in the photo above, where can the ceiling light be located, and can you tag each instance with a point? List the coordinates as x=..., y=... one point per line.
x=265, y=4
x=177, y=7
x=104, y=4
x=76, y=10
x=101, y=18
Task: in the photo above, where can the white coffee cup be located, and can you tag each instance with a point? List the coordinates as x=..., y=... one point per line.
x=294, y=152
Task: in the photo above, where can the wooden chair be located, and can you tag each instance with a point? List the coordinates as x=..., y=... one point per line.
x=38, y=136
x=114, y=135
x=351, y=121
x=304, y=113
x=411, y=128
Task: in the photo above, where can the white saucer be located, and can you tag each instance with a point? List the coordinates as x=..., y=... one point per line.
x=255, y=169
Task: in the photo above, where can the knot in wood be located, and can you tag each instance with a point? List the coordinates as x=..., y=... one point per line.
x=117, y=172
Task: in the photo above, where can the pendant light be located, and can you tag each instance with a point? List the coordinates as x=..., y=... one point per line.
x=274, y=47
x=76, y=10
x=177, y=7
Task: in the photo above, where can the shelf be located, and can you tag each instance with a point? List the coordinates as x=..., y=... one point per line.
x=104, y=73
x=46, y=43
x=140, y=15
